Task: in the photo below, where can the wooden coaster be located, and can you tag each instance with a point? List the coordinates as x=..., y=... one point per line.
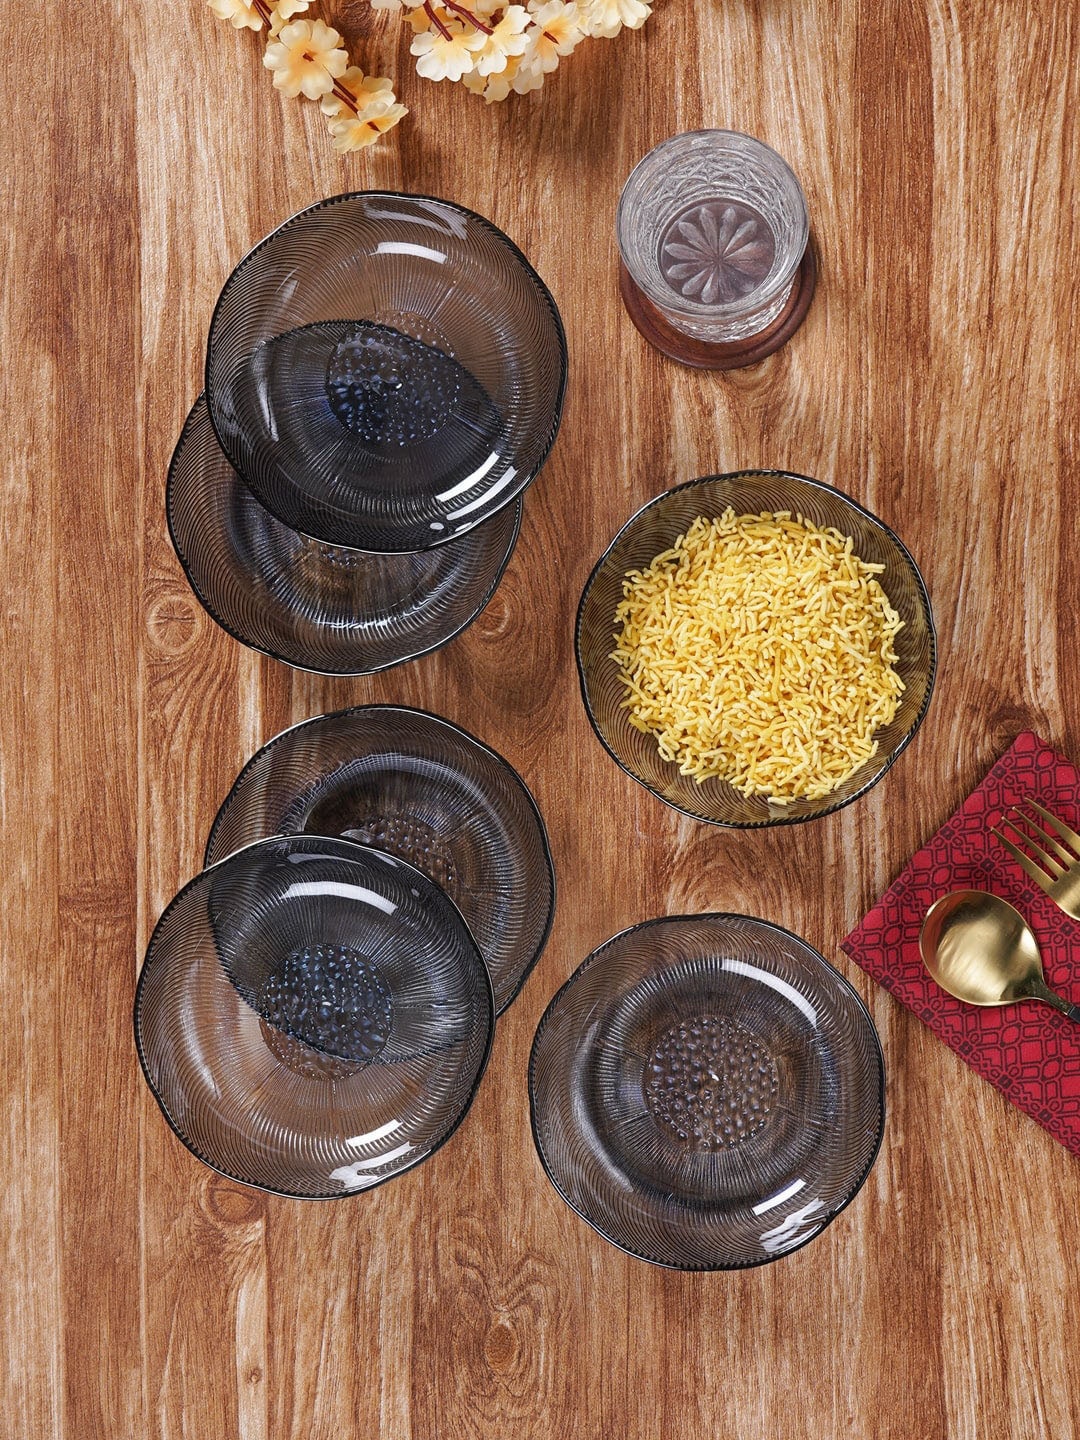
x=704, y=355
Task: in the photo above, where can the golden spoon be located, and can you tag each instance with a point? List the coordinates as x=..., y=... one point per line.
x=980, y=949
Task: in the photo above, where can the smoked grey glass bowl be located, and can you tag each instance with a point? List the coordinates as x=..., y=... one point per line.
x=385, y=371
x=313, y=1017
x=655, y=527
x=707, y=1092
x=315, y=606
x=417, y=786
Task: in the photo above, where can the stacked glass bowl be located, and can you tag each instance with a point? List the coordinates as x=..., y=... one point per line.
x=316, y=1007
x=384, y=377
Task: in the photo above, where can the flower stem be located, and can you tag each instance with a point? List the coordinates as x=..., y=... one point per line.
x=467, y=15
x=347, y=96
x=430, y=13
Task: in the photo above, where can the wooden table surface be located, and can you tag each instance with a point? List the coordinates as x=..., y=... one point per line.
x=933, y=380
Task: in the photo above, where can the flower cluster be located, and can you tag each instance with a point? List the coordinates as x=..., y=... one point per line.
x=496, y=47
x=307, y=58
x=492, y=46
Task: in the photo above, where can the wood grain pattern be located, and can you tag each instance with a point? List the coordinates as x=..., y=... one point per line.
x=934, y=379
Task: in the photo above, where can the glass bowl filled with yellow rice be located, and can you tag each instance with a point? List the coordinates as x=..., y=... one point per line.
x=755, y=648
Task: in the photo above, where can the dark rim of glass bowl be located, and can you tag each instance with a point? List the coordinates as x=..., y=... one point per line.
x=372, y=554
x=924, y=596
x=460, y=730
x=720, y=915
x=500, y=235
x=240, y=1179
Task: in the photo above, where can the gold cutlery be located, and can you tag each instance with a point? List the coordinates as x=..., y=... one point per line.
x=980, y=949
x=1053, y=868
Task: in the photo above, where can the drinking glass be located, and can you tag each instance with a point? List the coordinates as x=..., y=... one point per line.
x=712, y=228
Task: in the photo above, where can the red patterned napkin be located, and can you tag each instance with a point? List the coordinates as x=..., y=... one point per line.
x=1030, y=1052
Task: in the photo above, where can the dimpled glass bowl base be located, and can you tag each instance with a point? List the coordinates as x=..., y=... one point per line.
x=655, y=529
x=315, y=606
x=707, y=1092
x=386, y=371
x=313, y=1017
x=418, y=787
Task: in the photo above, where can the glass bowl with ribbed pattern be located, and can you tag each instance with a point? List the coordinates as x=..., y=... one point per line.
x=417, y=786
x=386, y=371
x=653, y=530
x=707, y=1091
x=314, y=606
x=313, y=1017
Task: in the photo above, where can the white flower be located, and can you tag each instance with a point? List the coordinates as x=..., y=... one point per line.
x=353, y=132
x=493, y=87
x=306, y=58
x=283, y=12
x=366, y=90
x=557, y=28
x=446, y=56
x=529, y=77
x=506, y=39
x=607, y=17
x=238, y=13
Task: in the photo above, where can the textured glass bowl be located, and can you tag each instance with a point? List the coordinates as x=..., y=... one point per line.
x=707, y=1092
x=418, y=787
x=656, y=527
x=313, y=1017
x=385, y=371
x=316, y=606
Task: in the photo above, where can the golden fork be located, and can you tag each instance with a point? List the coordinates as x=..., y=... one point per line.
x=1054, y=868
